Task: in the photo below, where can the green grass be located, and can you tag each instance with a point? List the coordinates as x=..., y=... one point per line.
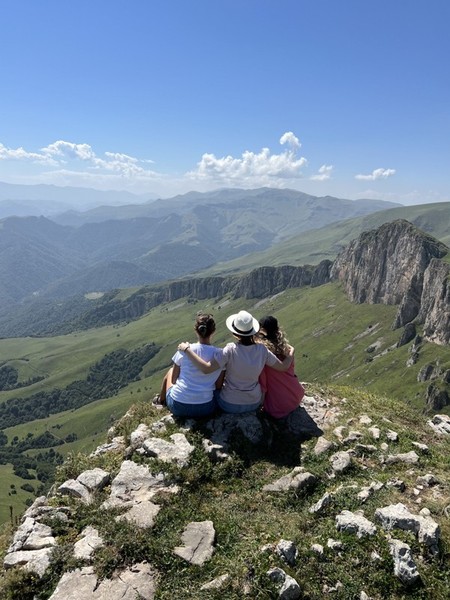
x=311, y=247
x=246, y=518
x=331, y=337
x=9, y=499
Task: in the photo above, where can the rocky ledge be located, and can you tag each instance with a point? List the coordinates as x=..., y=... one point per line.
x=135, y=491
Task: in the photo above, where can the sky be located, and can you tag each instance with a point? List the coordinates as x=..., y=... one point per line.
x=348, y=98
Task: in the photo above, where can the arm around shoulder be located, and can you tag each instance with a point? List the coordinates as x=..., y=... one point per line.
x=205, y=367
x=283, y=365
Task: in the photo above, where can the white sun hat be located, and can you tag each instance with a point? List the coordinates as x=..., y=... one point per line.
x=242, y=323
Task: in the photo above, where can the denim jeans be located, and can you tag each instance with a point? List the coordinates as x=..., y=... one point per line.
x=180, y=409
x=237, y=408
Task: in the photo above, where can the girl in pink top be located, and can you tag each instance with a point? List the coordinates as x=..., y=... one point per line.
x=283, y=391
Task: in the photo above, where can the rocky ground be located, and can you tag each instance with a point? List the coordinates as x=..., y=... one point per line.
x=404, y=535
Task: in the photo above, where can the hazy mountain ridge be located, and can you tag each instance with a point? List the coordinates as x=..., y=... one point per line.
x=171, y=244
x=311, y=247
x=45, y=199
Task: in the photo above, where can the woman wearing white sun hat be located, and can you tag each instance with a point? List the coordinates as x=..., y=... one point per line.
x=243, y=360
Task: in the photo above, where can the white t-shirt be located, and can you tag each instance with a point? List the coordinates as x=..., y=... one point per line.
x=243, y=366
x=193, y=386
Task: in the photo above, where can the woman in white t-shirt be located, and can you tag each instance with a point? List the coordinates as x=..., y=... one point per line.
x=187, y=391
x=243, y=362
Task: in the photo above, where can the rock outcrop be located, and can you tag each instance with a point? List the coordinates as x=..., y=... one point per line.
x=400, y=265
x=145, y=479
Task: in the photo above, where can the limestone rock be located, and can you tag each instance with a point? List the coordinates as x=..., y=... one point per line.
x=289, y=588
x=355, y=523
x=82, y=584
x=198, y=539
x=32, y=560
x=134, y=484
x=141, y=514
x=117, y=444
x=397, y=516
x=74, y=488
x=340, y=462
x=287, y=551
x=410, y=458
x=216, y=584
x=404, y=566
x=297, y=480
x=322, y=503
x=322, y=446
x=88, y=543
x=177, y=451
x=440, y=424
x=94, y=479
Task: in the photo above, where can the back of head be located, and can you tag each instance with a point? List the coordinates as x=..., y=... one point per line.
x=205, y=325
x=273, y=337
x=270, y=326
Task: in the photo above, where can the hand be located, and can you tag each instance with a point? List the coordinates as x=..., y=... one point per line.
x=291, y=351
x=183, y=346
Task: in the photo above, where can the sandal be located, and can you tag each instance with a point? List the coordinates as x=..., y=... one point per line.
x=157, y=401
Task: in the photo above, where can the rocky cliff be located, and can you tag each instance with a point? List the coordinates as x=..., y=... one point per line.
x=399, y=264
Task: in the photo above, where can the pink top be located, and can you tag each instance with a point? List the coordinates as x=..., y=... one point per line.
x=283, y=391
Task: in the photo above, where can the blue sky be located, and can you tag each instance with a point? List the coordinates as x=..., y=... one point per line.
x=349, y=98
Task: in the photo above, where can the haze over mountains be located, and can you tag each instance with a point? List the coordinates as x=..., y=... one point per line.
x=112, y=247
x=35, y=200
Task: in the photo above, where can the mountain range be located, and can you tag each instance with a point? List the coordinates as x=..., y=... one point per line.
x=35, y=200
x=132, y=245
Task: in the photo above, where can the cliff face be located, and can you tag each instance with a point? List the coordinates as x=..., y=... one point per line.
x=399, y=264
x=435, y=302
x=382, y=265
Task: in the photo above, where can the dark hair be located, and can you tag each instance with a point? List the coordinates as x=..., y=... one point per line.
x=273, y=337
x=204, y=325
x=245, y=340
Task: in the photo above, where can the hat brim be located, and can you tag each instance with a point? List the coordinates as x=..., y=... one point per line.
x=229, y=323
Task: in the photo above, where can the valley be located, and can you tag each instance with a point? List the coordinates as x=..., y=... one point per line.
x=336, y=342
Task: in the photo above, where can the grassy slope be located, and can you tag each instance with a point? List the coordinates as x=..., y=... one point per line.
x=313, y=246
x=331, y=337
x=246, y=518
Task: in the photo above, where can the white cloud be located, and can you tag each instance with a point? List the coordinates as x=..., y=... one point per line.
x=21, y=154
x=323, y=174
x=377, y=174
x=69, y=150
x=252, y=169
x=290, y=139
x=70, y=159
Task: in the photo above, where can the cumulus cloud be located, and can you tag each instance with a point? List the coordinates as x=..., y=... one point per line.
x=377, y=174
x=70, y=159
x=69, y=150
x=323, y=174
x=290, y=139
x=252, y=169
x=21, y=154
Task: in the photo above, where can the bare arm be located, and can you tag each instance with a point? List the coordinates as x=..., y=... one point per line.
x=283, y=365
x=205, y=367
x=175, y=373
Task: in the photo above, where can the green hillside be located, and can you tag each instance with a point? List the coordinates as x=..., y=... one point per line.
x=315, y=245
x=336, y=342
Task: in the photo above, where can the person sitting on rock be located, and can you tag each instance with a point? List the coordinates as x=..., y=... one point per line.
x=185, y=390
x=282, y=390
x=243, y=361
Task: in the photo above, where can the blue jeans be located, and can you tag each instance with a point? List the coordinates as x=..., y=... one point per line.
x=180, y=409
x=237, y=408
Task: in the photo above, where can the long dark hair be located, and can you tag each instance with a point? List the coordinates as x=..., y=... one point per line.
x=273, y=337
x=205, y=325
